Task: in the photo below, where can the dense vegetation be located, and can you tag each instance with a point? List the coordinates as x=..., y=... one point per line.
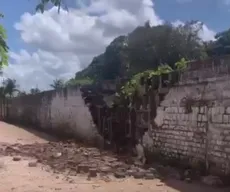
x=10, y=88
x=146, y=48
x=144, y=51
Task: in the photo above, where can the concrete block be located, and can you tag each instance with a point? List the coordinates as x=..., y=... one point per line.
x=165, y=126
x=200, y=117
x=177, y=109
x=195, y=109
x=165, y=121
x=173, y=122
x=227, y=138
x=217, y=118
x=174, y=116
x=218, y=154
x=219, y=142
x=184, y=123
x=169, y=116
x=168, y=109
x=223, y=126
x=228, y=118
x=225, y=118
x=186, y=117
x=228, y=110
x=226, y=132
x=194, y=116
x=204, y=118
x=173, y=109
x=203, y=110
x=181, y=110
x=221, y=110
x=214, y=111
x=179, y=117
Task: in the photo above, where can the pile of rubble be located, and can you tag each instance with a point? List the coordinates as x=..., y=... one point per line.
x=76, y=159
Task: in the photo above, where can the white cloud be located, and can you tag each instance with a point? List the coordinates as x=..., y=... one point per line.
x=205, y=33
x=66, y=42
x=177, y=23
x=40, y=68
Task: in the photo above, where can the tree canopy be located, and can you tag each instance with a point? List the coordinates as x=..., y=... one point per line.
x=41, y=6
x=58, y=84
x=34, y=91
x=147, y=48
x=221, y=46
x=3, y=46
x=9, y=87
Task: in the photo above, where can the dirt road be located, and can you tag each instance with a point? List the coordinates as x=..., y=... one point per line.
x=17, y=175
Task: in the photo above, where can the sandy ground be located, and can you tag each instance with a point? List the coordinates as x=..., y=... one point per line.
x=17, y=176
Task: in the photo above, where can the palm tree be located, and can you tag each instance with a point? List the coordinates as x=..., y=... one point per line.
x=10, y=87
x=58, y=84
x=34, y=91
x=57, y=3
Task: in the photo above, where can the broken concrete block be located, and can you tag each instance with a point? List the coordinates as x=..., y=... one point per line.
x=149, y=176
x=32, y=164
x=83, y=168
x=139, y=175
x=16, y=158
x=119, y=174
x=105, y=169
x=92, y=172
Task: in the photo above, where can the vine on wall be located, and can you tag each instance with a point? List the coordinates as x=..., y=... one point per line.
x=133, y=86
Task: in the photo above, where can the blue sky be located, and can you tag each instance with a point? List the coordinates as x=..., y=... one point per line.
x=51, y=45
x=12, y=12
x=213, y=13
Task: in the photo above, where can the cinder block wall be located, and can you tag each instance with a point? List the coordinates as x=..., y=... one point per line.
x=62, y=112
x=193, y=120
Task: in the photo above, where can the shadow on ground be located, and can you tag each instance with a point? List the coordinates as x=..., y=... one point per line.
x=41, y=133
x=182, y=186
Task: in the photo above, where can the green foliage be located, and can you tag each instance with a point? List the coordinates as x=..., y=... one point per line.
x=80, y=81
x=41, y=6
x=133, y=86
x=181, y=64
x=221, y=46
x=3, y=46
x=146, y=48
x=9, y=87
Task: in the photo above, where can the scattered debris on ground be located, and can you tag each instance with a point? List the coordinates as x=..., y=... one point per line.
x=75, y=159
